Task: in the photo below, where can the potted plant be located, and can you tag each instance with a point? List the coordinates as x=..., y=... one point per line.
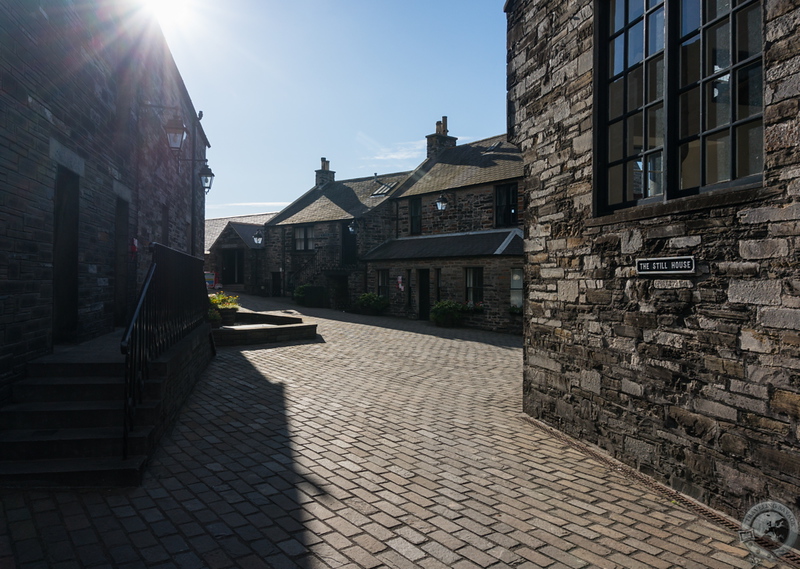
x=447, y=313
x=227, y=306
x=214, y=317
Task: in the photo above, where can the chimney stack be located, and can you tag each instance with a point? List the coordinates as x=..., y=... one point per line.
x=440, y=140
x=324, y=174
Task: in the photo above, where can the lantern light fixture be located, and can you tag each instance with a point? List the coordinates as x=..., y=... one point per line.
x=441, y=202
x=258, y=237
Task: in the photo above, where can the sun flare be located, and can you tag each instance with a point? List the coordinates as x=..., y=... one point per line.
x=169, y=13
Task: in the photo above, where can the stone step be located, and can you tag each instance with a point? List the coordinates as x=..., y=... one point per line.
x=42, y=415
x=31, y=444
x=99, y=388
x=50, y=366
x=74, y=472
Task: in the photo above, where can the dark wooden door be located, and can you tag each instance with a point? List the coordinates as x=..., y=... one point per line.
x=65, y=256
x=424, y=287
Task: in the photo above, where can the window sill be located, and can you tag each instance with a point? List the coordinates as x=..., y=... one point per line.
x=688, y=204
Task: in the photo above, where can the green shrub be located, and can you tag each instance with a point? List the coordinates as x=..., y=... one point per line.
x=299, y=294
x=371, y=303
x=447, y=313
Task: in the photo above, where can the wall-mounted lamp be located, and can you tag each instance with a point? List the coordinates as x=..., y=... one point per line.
x=176, y=133
x=258, y=237
x=352, y=228
x=441, y=202
x=206, y=177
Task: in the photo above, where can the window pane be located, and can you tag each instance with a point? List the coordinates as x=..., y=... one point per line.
x=616, y=138
x=718, y=102
x=615, y=185
x=748, y=32
x=690, y=61
x=616, y=56
x=748, y=91
x=655, y=126
x=635, y=88
x=635, y=9
x=690, y=164
x=635, y=134
x=717, y=8
x=655, y=175
x=617, y=17
x=718, y=157
x=718, y=48
x=636, y=44
x=616, y=99
x=655, y=78
x=749, y=149
x=655, y=32
x=690, y=112
x=635, y=180
x=690, y=16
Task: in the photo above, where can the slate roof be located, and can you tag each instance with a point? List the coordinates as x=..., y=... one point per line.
x=486, y=161
x=472, y=244
x=340, y=200
x=245, y=231
x=215, y=226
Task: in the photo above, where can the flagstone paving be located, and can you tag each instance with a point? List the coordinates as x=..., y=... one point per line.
x=385, y=443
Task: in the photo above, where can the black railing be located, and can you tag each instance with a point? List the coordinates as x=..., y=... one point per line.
x=173, y=302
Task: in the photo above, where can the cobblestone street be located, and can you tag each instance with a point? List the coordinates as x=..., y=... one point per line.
x=386, y=443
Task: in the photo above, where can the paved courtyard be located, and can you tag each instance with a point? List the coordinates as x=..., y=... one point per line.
x=386, y=443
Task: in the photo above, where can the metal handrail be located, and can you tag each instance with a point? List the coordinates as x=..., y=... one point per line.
x=172, y=303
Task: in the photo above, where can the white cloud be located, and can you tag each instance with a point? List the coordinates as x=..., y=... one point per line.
x=396, y=152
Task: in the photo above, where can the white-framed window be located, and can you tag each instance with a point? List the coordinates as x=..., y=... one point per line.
x=516, y=287
x=304, y=238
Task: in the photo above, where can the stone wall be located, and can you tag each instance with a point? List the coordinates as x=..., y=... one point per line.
x=467, y=210
x=74, y=80
x=452, y=286
x=693, y=379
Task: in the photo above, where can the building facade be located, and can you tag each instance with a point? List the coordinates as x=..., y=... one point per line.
x=662, y=183
x=87, y=176
x=319, y=239
x=457, y=235
x=235, y=252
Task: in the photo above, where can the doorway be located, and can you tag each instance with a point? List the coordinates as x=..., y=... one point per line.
x=65, y=256
x=424, y=284
x=276, y=284
x=232, y=267
x=121, y=263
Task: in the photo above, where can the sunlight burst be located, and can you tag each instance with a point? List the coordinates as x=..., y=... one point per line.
x=170, y=13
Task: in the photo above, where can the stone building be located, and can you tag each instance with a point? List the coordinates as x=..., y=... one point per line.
x=87, y=179
x=662, y=184
x=456, y=234
x=235, y=252
x=319, y=238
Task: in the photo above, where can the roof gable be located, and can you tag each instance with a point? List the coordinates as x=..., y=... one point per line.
x=487, y=161
x=340, y=200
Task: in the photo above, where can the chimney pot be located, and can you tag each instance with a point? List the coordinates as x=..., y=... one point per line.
x=324, y=174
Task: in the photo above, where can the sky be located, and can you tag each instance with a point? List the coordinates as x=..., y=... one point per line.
x=360, y=82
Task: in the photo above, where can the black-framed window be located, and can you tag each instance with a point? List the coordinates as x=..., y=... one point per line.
x=679, y=98
x=474, y=284
x=505, y=205
x=383, y=283
x=304, y=238
x=415, y=215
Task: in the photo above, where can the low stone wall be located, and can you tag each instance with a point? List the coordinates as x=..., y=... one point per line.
x=178, y=371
